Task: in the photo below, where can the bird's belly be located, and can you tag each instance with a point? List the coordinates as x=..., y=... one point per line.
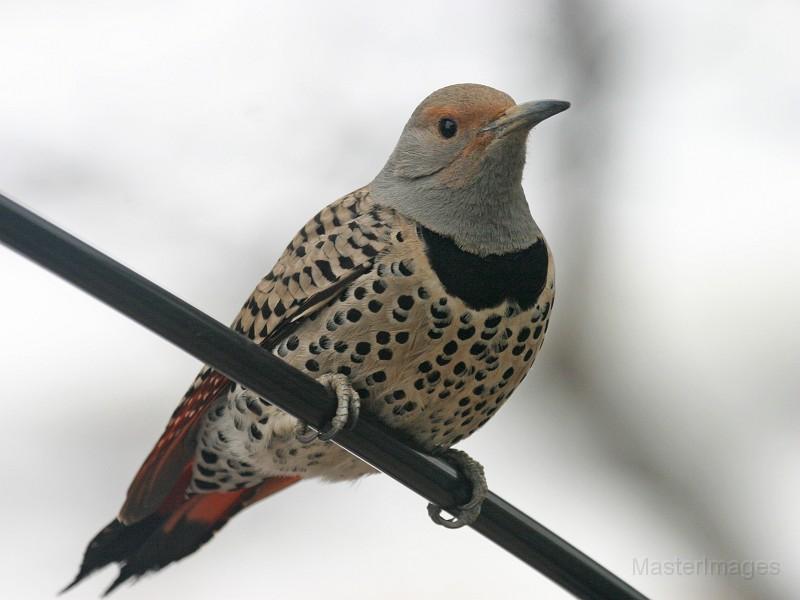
x=421, y=360
x=246, y=439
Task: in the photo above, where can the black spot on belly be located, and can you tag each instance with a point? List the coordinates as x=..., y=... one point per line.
x=466, y=332
x=492, y=322
x=484, y=282
x=206, y=472
x=477, y=348
x=255, y=432
x=201, y=484
x=293, y=342
x=209, y=457
x=405, y=302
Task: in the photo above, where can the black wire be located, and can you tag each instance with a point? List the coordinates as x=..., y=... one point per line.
x=296, y=393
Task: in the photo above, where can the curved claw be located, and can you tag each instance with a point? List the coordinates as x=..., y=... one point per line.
x=347, y=410
x=464, y=517
x=467, y=513
x=355, y=411
x=305, y=435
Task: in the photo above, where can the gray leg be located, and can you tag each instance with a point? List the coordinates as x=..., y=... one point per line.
x=466, y=514
x=347, y=409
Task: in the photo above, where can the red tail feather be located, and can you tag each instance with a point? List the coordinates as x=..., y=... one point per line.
x=158, y=524
x=173, y=451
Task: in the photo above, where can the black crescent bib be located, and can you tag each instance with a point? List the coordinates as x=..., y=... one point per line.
x=486, y=281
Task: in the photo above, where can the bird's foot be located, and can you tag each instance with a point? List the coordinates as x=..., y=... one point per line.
x=466, y=514
x=347, y=410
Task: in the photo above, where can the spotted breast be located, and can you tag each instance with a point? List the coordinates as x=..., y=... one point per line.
x=433, y=340
x=422, y=298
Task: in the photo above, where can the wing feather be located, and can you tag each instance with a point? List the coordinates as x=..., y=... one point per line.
x=334, y=249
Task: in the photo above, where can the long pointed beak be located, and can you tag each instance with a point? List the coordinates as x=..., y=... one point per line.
x=525, y=115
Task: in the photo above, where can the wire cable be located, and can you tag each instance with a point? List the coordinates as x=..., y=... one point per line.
x=298, y=394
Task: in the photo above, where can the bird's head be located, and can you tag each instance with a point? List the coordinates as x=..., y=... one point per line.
x=457, y=168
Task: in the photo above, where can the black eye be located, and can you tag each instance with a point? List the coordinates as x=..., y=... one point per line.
x=447, y=127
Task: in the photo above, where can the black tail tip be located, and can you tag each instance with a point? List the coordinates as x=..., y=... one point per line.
x=78, y=578
x=121, y=578
x=115, y=543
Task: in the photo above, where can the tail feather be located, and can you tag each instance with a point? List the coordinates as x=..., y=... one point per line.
x=113, y=544
x=168, y=536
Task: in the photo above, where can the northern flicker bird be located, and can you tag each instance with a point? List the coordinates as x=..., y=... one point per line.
x=422, y=298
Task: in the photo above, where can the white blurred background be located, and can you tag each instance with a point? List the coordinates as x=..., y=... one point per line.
x=190, y=140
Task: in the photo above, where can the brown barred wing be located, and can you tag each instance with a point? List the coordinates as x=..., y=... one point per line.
x=337, y=246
